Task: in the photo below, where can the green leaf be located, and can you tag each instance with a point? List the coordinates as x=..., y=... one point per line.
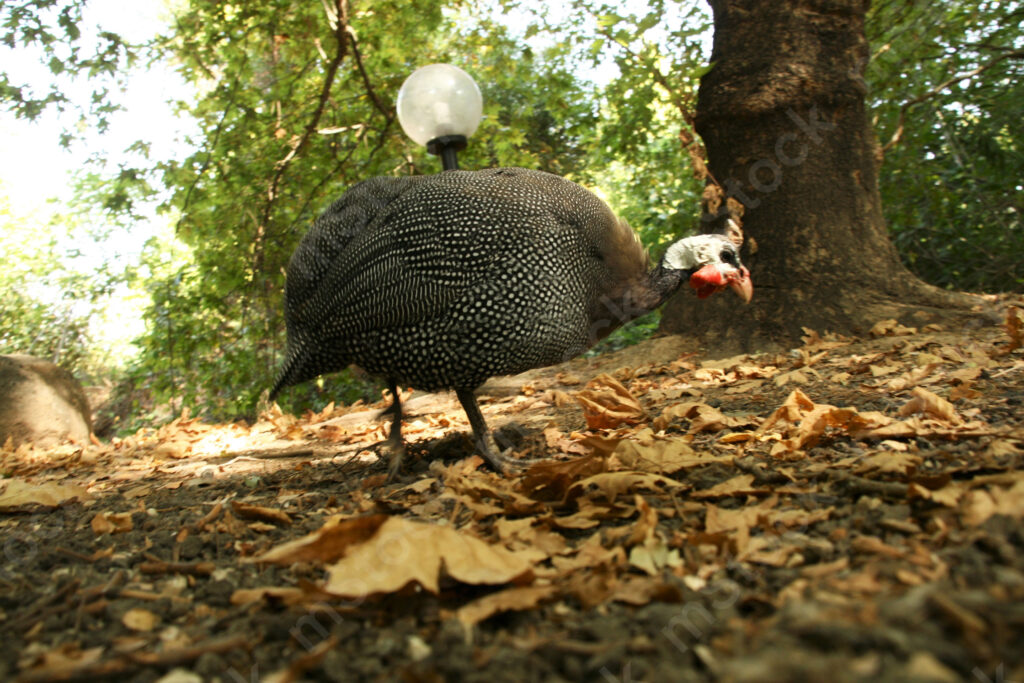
x=648, y=22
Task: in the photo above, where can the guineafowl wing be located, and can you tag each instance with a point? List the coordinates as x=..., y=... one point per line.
x=428, y=241
x=493, y=269
x=332, y=233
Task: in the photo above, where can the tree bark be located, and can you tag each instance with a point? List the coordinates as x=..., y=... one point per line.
x=783, y=118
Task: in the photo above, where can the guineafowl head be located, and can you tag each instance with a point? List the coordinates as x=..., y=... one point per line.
x=712, y=263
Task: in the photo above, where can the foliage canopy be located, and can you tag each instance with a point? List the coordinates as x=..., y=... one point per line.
x=295, y=101
x=947, y=89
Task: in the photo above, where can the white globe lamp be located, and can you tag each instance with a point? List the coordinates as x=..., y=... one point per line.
x=440, y=106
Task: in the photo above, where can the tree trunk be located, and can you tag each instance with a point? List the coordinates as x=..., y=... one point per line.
x=783, y=118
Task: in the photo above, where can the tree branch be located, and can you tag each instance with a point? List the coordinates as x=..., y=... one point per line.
x=341, y=35
x=338, y=18
x=898, y=135
x=327, y=177
x=387, y=112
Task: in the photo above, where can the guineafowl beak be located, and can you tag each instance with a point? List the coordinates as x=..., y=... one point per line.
x=742, y=285
x=714, y=278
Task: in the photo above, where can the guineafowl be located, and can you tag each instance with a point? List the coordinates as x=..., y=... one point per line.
x=442, y=281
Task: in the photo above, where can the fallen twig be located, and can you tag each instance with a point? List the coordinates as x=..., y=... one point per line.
x=193, y=568
x=105, y=669
x=870, y=487
x=213, y=514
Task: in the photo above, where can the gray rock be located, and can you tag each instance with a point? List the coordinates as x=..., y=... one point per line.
x=41, y=403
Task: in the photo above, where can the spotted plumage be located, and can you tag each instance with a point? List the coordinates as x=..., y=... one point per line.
x=442, y=281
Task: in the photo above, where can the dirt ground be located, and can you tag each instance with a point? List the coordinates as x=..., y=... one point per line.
x=849, y=510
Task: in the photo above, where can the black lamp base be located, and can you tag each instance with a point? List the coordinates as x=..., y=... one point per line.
x=447, y=147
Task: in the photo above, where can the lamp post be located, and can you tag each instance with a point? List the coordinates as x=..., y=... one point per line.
x=440, y=106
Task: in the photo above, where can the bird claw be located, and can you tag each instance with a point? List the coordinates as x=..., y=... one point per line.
x=501, y=462
x=396, y=449
x=511, y=464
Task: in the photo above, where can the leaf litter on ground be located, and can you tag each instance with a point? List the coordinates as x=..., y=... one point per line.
x=844, y=475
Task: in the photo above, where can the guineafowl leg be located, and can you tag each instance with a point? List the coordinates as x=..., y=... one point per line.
x=480, y=434
x=394, y=443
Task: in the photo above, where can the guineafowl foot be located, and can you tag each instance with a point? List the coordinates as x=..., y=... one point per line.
x=394, y=443
x=498, y=461
x=395, y=459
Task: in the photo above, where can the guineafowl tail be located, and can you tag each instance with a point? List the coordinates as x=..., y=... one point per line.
x=292, y=372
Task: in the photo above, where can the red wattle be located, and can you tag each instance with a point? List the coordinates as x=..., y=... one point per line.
x=707, y=281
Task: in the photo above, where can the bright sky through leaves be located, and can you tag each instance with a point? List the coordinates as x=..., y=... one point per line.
x=34, y=167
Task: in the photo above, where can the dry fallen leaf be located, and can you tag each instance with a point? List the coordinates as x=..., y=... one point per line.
x=794, y=517
x=1014, y=327
x=594, y=586
x=607, y=404
x=258, y=512
x=891, y=328
x=802, y=424
x=963, y=391
x=646, y=524
x=112, y=523
x=926, y=402
x=768, y=550
x=654, y=556
x=663, y=457
x=718, y=520
x=797, y=376
x=19, y=492
x=640, y=590
x=528, y=533
x=610, y=485
x=889, y=463
x=402, y=552
x=326, y=544
x=586, y=518
x=508, y=600
x=815, y=342
x=732, y=527
x=592, y=558
x=913, y=377
x=880, y=370
x=979, y=505
x=176, y=449
x=287, y=595
x=480, y=491
x=913, y=426
x=568, y=379
x=140, y=619
x=550, y=479
x=701, y=416
x=924, y=666
x=791, y=410
x=741, y=485
x=948, y=495
x=649, y=550
x=54, y=664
